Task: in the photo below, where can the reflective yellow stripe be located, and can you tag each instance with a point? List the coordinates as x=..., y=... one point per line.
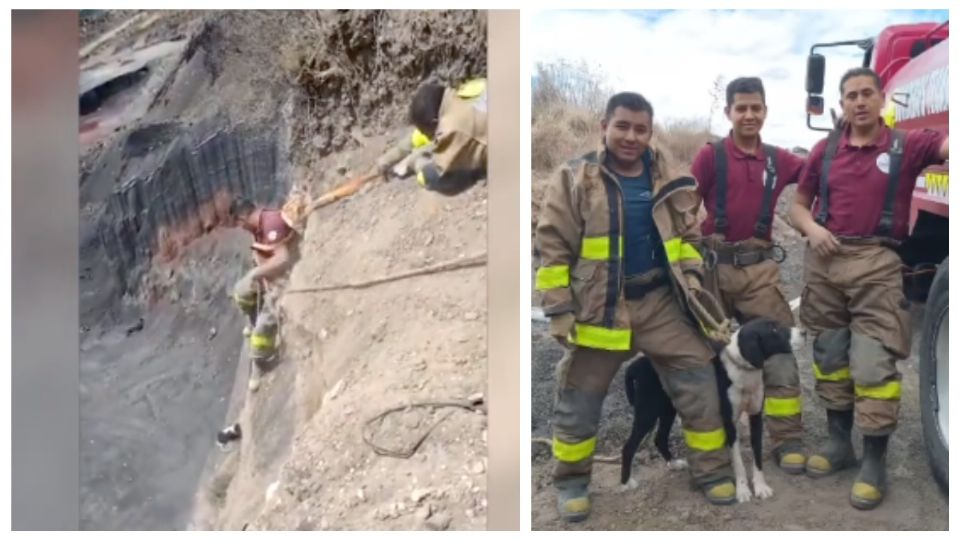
x=598, y=337
x=245, y=302
x=259, y=341
x=839, y=375
x=597, y=248
x=472, y=89
x=890, y=390
x=890, y=114
x=705, y=441
x=418, y=139
x=678, y=250
x=572, y=453
x=553, y=277
x=781, y=406
x=421, y=179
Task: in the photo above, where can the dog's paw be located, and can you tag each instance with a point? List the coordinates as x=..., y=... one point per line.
x=677, y=464
x=760, y=487
x=629, y=486
x=743, y=491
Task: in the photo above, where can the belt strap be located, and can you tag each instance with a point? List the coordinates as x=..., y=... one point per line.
x=744, y=258
x=636, y=291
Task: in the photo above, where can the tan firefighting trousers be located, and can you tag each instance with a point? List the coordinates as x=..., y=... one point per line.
x=683, y=361
x=259, y=304
x=754, y=291
x=854, y=304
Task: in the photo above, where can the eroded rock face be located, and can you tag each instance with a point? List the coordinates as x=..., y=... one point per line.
x=177, y=185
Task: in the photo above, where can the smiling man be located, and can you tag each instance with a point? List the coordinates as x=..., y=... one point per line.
x=740, y=179
x=619, y=271
x=862, y=177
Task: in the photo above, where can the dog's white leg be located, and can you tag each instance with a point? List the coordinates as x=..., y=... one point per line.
x=760, y=487
x=678, y=464
x=630, y=485
x=740, y=473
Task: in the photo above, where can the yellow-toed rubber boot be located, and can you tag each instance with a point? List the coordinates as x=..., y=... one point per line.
x=837, y=452
x=573, y=499
x=720, y=493
x=790, y=457
x=871, y=483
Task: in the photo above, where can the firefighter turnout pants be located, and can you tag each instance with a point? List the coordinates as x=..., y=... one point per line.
x=854, y=304
x=754, y=291
x=259, y=305
x=683, y=361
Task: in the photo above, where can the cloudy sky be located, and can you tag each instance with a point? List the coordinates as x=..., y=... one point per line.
x=673, y=57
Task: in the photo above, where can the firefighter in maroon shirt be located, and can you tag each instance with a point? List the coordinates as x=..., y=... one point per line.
x=861, y=176
x=740, y=178
x=257, y=293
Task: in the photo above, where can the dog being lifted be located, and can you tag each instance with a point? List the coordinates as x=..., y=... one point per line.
x=739, y=369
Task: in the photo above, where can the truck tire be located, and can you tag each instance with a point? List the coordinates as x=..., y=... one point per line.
x=934, y=380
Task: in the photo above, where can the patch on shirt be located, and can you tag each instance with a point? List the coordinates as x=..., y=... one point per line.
x=272, y=236
x=883, y=163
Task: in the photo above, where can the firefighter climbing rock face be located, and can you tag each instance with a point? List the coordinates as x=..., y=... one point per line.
x=257, y=292
x=861, y=99
x=627, y=135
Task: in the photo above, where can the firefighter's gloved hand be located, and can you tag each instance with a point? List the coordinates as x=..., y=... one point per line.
x=560, y=326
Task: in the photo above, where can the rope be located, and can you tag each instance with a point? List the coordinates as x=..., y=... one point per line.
x=406, y=453
x=448, y=266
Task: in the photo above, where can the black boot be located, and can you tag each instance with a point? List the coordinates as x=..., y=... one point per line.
x=871, y=483
x=837, y=452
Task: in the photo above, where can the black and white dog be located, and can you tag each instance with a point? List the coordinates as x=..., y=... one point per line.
x=739, y=369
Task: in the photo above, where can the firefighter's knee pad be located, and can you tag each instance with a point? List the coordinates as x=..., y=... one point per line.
x=781, y=370
x=576, y=414
x=264, y=336
x=831, y=350
x=693, y=391
x=871, y=363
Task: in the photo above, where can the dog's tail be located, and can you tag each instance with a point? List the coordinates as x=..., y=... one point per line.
x=633, y=379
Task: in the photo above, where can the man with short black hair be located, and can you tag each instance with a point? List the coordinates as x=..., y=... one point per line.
x=448, y=149
x=740, y=179
x=275, y=251
x=862, y=178
x=620, y=273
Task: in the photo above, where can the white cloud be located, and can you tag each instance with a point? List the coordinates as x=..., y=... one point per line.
x=673, y=59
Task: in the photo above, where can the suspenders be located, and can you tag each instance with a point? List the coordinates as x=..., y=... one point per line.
x=885, y=224
x=720, y=222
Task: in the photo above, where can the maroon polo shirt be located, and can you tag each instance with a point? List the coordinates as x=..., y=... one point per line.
x=859, y=176
x=745, y=178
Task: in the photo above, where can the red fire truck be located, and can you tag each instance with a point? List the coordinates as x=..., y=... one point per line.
x=912, y=61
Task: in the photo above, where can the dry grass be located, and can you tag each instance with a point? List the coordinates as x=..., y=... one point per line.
x=567, y=106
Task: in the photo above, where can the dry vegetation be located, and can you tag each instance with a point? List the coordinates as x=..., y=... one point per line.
x=568, y=103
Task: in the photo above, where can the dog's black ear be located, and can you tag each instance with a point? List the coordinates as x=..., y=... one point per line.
x=776, y=338
x=750, y=343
